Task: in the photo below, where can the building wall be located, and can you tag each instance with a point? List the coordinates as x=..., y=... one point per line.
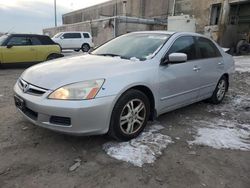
x=103, y=30
x=134, y=8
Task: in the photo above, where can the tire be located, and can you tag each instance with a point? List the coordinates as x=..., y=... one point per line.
x=77, y=50
x=51, y=57
x=220, y=91
x=85, y=47
x=129, y=116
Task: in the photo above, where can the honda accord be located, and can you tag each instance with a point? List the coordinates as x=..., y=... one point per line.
x=124, y=83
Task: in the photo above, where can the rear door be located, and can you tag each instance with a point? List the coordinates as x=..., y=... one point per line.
x=211, y=66
x=71, y=40
x=41, y=50
x=179, y=83
x=19, y=50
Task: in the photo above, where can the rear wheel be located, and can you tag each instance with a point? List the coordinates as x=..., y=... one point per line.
x=51, y=57
x=85, y=48
x=129, y=116
x=220, y=91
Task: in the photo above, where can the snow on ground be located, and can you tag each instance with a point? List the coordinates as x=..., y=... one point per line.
x=232, y=103
x=220, y=133
x=143, y=149
x=242, y=63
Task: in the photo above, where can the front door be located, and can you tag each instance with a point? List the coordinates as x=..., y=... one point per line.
x=18, y=49
x=179, y=83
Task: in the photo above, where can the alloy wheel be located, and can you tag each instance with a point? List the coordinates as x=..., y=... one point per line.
x=133, y=116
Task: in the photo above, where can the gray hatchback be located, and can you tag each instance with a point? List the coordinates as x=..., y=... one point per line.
x=125, y=82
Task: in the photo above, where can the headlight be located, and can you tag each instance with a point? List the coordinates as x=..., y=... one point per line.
x=78, y=91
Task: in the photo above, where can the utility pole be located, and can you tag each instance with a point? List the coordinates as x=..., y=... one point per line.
x=55, y=13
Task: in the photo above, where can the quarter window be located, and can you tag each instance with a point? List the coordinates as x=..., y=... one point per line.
x=207, y=49
x=86, y=35
x=72, y=35
x=184, y=45
x=19, y=41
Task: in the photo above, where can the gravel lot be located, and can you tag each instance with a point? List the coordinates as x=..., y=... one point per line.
x=204, y=146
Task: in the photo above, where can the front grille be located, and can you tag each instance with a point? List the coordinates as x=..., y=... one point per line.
x=31, y=89
x=64, y=121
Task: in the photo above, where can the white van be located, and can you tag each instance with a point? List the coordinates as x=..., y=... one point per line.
x=74, y=40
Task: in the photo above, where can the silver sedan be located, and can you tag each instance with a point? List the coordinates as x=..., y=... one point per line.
x=125, y=82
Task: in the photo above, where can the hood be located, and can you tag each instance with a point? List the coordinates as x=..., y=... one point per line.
x=60, y=72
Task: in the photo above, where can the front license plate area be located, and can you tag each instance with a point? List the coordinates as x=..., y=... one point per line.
x=19, y=102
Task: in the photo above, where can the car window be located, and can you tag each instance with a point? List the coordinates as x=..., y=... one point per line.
x=206, y=48
x=45, y=40
x=72, y=35
x=86, y=35
x=35, y=41
x=58, y=35
x=184, y=45
x=137, y=46
x=3, y=38
x=19, y=41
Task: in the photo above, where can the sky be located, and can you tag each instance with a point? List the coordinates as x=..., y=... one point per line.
x=31, y=16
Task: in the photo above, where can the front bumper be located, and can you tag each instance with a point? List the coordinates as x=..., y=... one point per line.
x=87, y=117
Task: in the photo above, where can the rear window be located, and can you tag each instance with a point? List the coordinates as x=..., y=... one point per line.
x=86, y=35
x=72, y=35
x=35, y=41
x=207, y=49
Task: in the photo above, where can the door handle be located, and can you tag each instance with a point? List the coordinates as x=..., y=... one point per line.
x=196, y=69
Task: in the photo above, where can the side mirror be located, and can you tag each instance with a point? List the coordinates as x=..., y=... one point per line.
x=177, y=58
x=9, y=46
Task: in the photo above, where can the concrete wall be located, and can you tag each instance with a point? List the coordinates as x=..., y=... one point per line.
x=103, y=30
x=134, y=8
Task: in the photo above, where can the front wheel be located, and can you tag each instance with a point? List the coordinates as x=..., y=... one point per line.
x=220, y=91
x=129, y=116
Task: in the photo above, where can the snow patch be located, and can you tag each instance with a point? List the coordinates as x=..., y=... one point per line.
x=143, y=149
x=242, y=63
x=219, y=134
x=232, y=103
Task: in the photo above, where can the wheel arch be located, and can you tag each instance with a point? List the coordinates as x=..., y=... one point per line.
x=148, y=92
x=227, y=77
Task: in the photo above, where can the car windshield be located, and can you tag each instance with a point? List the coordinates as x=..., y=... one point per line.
x=57, y=35
x=2, y=39
x=136, y=46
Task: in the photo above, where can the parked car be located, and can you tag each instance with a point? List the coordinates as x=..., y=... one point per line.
x=74, y=40
x=27, y=48
x=123, y=83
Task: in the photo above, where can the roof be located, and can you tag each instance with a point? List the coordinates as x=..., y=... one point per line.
x=170, y=32
x=156, y=32
x=30, y=35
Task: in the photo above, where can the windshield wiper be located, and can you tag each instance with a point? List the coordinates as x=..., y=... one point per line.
x=113, y=55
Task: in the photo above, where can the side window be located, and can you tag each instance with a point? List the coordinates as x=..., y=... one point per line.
x=184, y=45
x=86, y=35
x=72, y=35
x=35, y=41
x=19, y=41
x=206, y=48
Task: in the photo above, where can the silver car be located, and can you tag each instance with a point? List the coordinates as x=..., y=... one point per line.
x=125, y=82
